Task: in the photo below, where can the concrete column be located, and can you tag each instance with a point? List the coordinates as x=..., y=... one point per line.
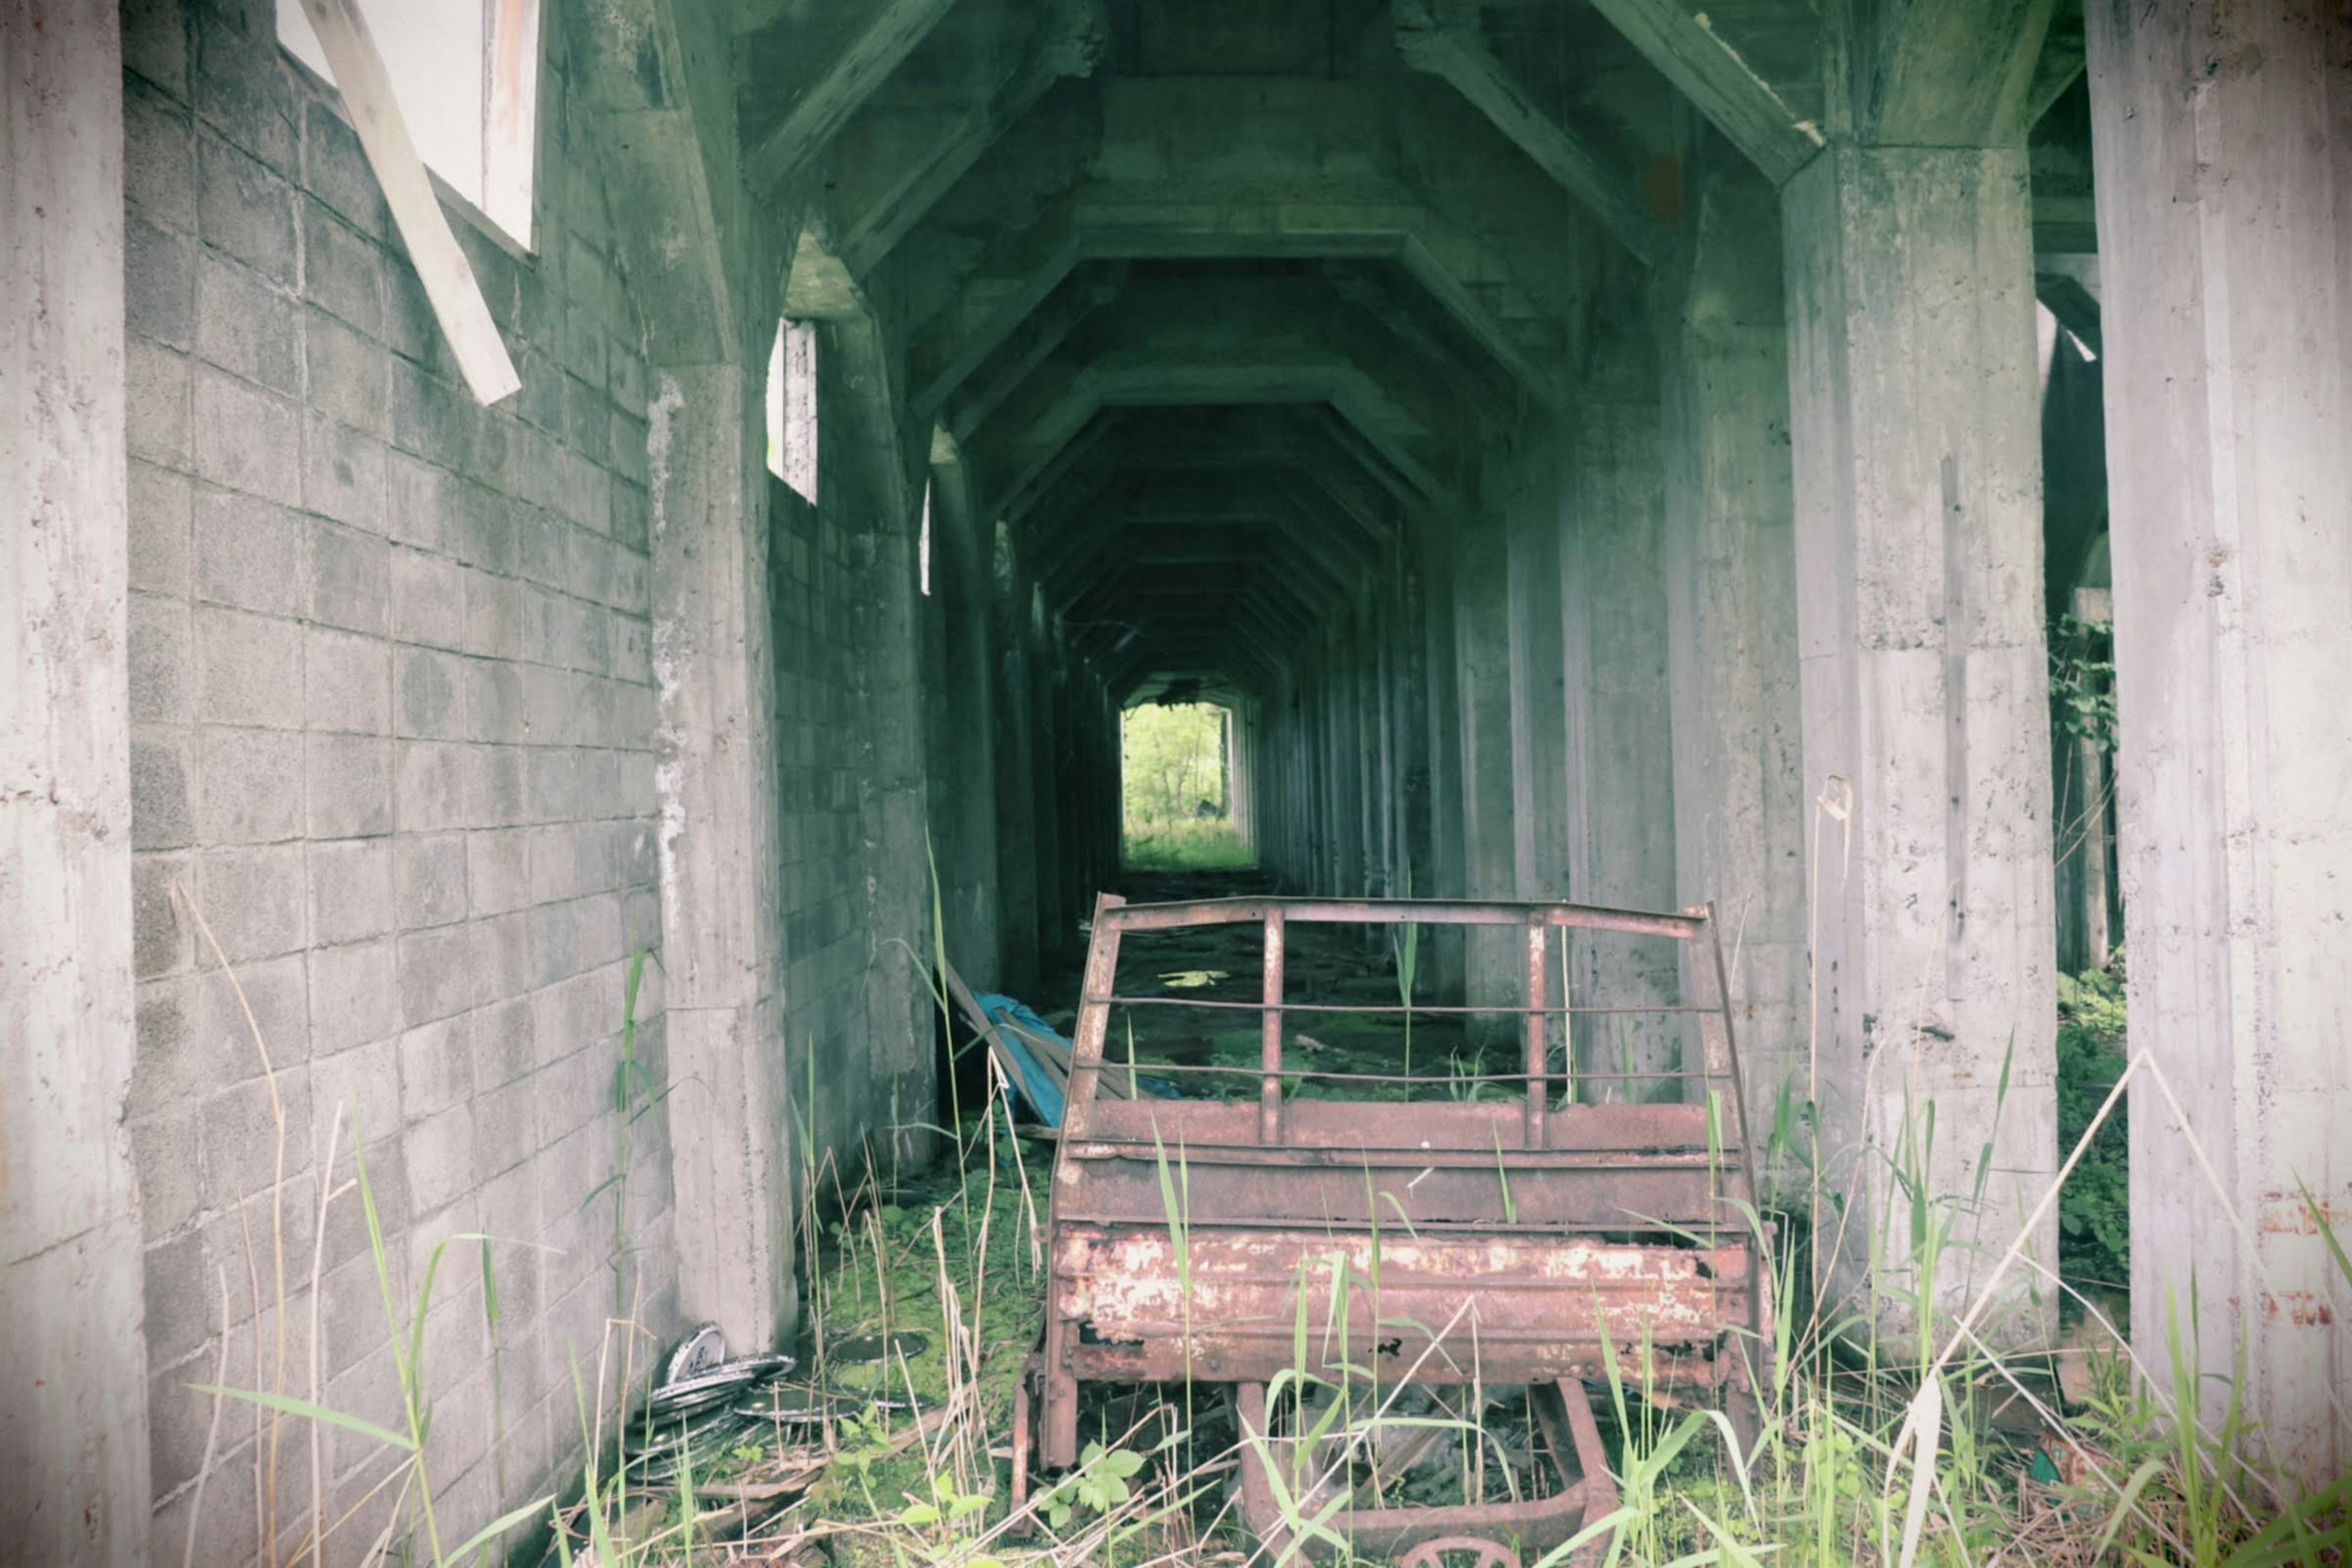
x=722, y=948
x=1441, y=951
x=1541, y=788
x=1619, y=786
x=1914, y=396
x=1731, y=610
x=73, y=1359
x=1408, y=642
x=1016, y=769
x=1494, y=957
x=2224, y=160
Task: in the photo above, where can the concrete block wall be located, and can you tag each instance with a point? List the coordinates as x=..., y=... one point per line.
x=393, y=733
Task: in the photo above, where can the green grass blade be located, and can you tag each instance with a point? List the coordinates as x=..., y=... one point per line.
x=308, y=1411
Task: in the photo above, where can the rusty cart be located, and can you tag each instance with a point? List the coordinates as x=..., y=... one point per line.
x=1499, y=1241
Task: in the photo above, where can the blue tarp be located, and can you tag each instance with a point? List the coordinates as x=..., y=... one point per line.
x=1037, y=1087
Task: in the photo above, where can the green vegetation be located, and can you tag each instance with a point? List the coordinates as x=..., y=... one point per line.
x=2094, y=1210
x=1175, y=772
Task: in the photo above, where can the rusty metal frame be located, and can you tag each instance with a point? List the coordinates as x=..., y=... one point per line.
x=1500, y=1242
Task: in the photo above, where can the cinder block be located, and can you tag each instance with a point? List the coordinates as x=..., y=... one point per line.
x=540, y=553
x=180, y=1296
x=156, y=388
x=351, y=579
x=625, y=448
x=430, y=417
x=238, y=1130
x=350, y=785
x=428, y=694
x=506, y=960
x=417, y=504
x=163, y=646
x=439, y=1151
x=630, y=517
x=494, y=699
x=249, y=785
x=363, y=1082
x=335, y=170
x=161, y=524
x=350, y=375
x=437, y=1069
x=354, y=999
x=159, y=153
x=431, y=875
x=156, y=48
x=163, y=1147
x=428, y=599
x=248, y=552
x=244, y=209
x=489, y=449
x=249, y=670
x=342, y=272
x=485, y=529
x=246, y=439
x=554, y=791
x=343, y=473
x=350, y=890
x=159, y=813
x=253, y=899
x=346, y=682
x=240, y=87
x=494, y=786
x=430, y=789
x=161, y=938
x=585, y=493
x=498, y=870
x=624, y=376
x=492, y=617
x=506, y=1042
x=505, y=1126
x=159, y=284
x=586, y=420
x=409, y=326
x=246, y=327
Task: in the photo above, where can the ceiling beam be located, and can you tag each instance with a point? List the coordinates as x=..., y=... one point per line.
x=1072, y=45
x=1443, y=39
x=892, y=28
x=1677, y=37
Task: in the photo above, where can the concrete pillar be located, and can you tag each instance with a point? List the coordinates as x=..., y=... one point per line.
x=1541, y=789
x=1442, y=959
x=1619, y=786
x=73, y=1359
x=1728, y=551
x=1408, y=643
x=1494, y=957
x=2224, y=159
x=1914, y=397
x=1016, y=769
x=721, y=945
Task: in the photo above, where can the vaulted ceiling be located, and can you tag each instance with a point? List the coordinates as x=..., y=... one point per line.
x=1219, y=301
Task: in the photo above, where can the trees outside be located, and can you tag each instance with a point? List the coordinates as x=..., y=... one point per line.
x=1174, y=762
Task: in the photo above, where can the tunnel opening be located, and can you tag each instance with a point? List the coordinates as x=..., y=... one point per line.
x=1176, y=787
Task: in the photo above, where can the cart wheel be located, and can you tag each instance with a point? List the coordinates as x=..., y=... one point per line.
x=1443, y=1551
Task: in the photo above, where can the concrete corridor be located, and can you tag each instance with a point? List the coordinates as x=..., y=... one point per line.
x=1596, y=448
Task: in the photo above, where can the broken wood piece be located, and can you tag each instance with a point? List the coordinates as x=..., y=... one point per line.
x=441, y=267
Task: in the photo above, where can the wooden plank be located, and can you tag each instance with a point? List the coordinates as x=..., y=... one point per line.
x=441, y=267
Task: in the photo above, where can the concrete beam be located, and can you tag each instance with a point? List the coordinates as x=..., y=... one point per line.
x=823, y=102
x=1072, y=44
x=2225, y=277
x=1444, y=41
x=73, y=1359
x=1677, y=37
x=1085, y=292
x=1242, y=224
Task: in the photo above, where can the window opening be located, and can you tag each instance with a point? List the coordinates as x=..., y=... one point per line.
x=1176, y=788
x=465, y=76
x=791, y=407
x=923, y=543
